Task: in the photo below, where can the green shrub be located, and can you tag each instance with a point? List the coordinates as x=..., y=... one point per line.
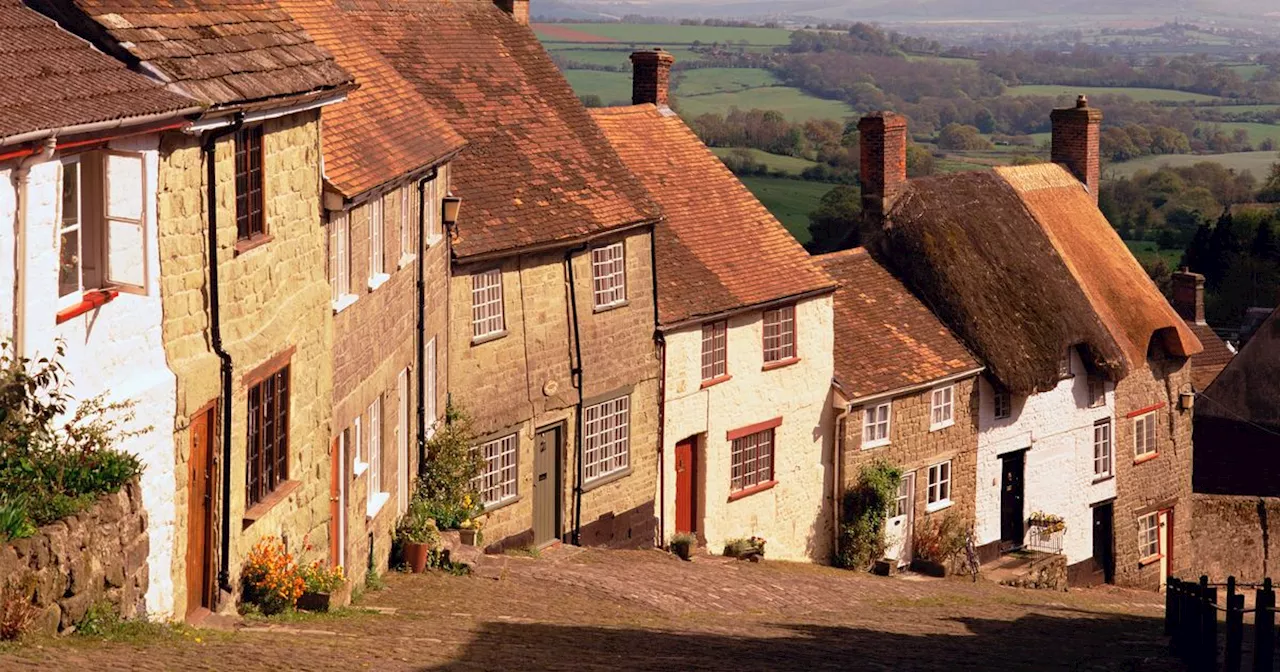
x=446, y=484
x=863, y=515
x=15, y=522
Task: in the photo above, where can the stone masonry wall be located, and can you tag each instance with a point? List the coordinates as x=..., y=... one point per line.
x=1234, y=536
x=95, y=556
x=1163, y=482
x=274, y=297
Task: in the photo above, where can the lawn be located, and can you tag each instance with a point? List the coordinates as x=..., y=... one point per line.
x=1138, y=94
x=776, y=162
x=793, y=103
x=720, y=80
x=1257, y=132
x=790, y=201
x=612, y=87
x=1259, y=163
x=1147, y=251
x=648, y=35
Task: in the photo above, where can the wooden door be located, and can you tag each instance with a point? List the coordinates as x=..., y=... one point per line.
x=1104, y=541
x=200, y=513
x=337, y=505
x=686, y=486
x=900, y=525
x=1012, y=518
x=1166, y=537
x=546, y=485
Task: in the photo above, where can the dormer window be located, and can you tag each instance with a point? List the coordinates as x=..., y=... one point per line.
x=1064, y=365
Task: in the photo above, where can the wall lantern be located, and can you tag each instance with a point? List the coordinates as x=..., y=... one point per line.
x=451, y=206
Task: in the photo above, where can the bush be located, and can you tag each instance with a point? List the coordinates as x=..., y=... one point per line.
x=271, y=578
x=682, y=545
x=317, y=577
x=446, y=485
x=418, y=526
x=939, y=539
x=15, y=522
x=863, y=515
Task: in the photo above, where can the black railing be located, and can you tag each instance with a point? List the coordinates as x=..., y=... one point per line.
x=1191, y=615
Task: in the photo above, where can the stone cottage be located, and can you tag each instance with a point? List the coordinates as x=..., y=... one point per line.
x=1084, y=413
x=78, y=185
x=551, y=307
x=389, y=272
x=908, y=395
x=744, y=335
x=247, y=323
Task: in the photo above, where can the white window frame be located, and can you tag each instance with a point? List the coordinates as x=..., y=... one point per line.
x=377, y=496
x=876, y=425
x=606, y=439
x=501, y=471
x=1002, y=405
x=1144, y=436
x=402, y=441
x=488, y=316
x=408, y=230
x=429, y=373
x=715, y=360
x=609, y=276
x=77, y=295
x=902, y=500
x=97, y=227
x=1100, y=399
x=433, y=205
x=1149, y=536
x=377, y=244
x=780, y=345
x=1103, y=450
x=762, y=471
x=942, y=407
x=340, y=224
x=359, y=466
x=938, y=495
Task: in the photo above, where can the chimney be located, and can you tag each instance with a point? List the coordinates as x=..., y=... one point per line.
x=650, y=71
x=882, y=138
x=1075, y=142
x=518, y=9
x=1188, y=295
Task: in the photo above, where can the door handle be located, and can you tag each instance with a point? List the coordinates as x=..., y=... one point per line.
x=542, y=477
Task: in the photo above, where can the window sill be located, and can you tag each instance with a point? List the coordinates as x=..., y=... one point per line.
x=359, y=468
x=90, y=301
x=375, y=504
x=501, y=504
x=949, y=423
x=876, y=444
x=1151, y=559
x=345, y=302
x=478, y=340
x=257, y=511
x=1103, y=479
x=377, y=280
x=747, y=492
x=782, y=363
x=612, y=306
x=1145, y=458
x=938, y=506
x=607, y=479
x=711, y=382
x=433, y=240
x=243, y=245
x=405, y=260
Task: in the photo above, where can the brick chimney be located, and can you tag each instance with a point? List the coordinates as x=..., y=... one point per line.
x=518, y=9
x=882, y=138
x=650, y=72
x=1076, y=133
x=1188, y=295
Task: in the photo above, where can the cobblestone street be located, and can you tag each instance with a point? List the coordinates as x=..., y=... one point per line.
x=577, y=609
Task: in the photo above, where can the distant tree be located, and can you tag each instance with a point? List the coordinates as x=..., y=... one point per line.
x=834, y=224
x=591, y=100
x=961, y=138
x=985, y=121
x=919, y=161
x=1270, y=192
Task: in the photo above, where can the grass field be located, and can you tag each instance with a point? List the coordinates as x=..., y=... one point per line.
x=649, y=35
x=776, y=162
x=793, y=103
x=1259, y=163
x=790, y=201
x=1147, y=251
x=719, y=80
x=1248, y=71
x=947, y=60
x=1141, y=95
x=612, y=87
x=1257, y=132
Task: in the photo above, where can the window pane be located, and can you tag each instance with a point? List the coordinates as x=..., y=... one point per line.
x=607, y=438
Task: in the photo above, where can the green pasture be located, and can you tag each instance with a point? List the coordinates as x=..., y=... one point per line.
x=775, y=162
x=1138, y=94
x=790, y=201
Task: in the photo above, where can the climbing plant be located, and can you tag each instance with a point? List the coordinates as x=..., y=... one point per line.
x=863, y=513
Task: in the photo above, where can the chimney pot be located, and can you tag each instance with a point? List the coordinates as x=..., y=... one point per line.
x=883, y=166
x=1188, y=296
x=1076, y=137
x=650, y=75
x=518, y=9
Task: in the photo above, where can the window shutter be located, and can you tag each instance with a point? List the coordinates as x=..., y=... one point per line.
x=124, y=215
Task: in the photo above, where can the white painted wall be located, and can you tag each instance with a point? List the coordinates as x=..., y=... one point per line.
x=115, y=349
x=793, y=517
x=1057, y=426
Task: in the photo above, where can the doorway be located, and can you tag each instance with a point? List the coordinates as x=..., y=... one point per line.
x=548, y=448
x=686, y=486
x=1104, y=541
x=900, y=525
x=338, y=502
x=1012, y=518
x=200, y=513
x=1166, y=545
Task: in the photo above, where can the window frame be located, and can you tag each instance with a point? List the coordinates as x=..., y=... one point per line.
x=76, y=295
x=1064, y=366
x=271, y=465
x=936, y=422
x=478, y=319
x=871, y=421
x=935, y=499
x=375, y=449
x=761, y=475
x=603, y=459
x=497, y=475
x=359, y=466
x=718, y=361
x=377, y=242
x=1095, y=391
x=1103, y=449
x=402, y=441
x=342, y=296
x=1153, y=542
x=608, y=276
x=408, y=229
x=782, y=320
x=1001, y=404
x=1145, y=436
x=249, y=156
x=432, y=206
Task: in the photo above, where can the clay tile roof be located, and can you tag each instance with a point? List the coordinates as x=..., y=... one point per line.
x=719, y=249
x=221, y=52
x=1208, y=364
x=537, y=170
x=384, y=129
x=886, y=339
x=50, y=79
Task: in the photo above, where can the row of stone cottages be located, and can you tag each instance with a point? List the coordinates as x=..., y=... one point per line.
x=245, y=217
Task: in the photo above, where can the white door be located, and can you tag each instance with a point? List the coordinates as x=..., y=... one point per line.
x=897, y=528
x=1164, y=548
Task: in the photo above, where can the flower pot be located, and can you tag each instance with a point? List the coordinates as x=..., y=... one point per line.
x=929, y=567
x=314, y=602
x=467, y=537
x=682, y=551
x=416, y=556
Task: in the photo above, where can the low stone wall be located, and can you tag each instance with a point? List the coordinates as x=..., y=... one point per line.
x=98, y=555
x=1234, y=536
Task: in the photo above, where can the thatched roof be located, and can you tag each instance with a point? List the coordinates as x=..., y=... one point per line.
x=1020, y=263
x=1247, y=389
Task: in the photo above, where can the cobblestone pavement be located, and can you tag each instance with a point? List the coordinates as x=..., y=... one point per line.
x=577, y=609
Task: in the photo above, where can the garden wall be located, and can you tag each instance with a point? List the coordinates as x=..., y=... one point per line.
x=98, y=555
x=1234, y=536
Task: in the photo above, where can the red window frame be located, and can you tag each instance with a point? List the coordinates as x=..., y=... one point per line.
x=267, y=448
x=251, y=220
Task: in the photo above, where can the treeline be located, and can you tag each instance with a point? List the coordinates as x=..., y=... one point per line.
x=1239, y=255
x=862, y=38
x=1168, y=205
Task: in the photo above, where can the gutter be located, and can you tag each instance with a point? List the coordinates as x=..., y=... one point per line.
x=95, y=127
x=241, y=118
x=575, y=374
x=861, y=401
x=573, y=244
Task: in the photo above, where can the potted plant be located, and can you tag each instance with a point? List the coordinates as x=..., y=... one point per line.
x=271, y=578
x=1046, y=524
x=322, y=586
x=682, y=545
x=417, y=535
x=469, y=531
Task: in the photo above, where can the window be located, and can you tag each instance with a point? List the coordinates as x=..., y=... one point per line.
x=340, y=274
x=715, y=350
x=942, y=409
x=402, y=441
x=1064, y=365
x=486, y=304
x=1144, y=435
x=752, y=460
x=779, y=334
x=431, y=198
x=251, y=221
x=875, y=426
x=375, y=447
x=267, y=451
x=377, y=244
x=408, y=227
x=609, y=276
x=939, y=494
x=69, y=232
x=429, y=373
x=902, y=502
x=497, y=481
x=1149, y=535
x=1003, y=403
x=1097, y=390
x=360, y=466
x=102, y=225
x=1102, y=448
x=608, y=438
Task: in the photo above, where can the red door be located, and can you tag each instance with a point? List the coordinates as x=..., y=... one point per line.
x=686, y=484
x=336, y=505
x=200, y=514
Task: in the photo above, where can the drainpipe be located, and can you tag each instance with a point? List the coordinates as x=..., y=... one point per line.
x=837, y=477
x=576, y=376
x=19, y=179
x=215, y=337
x=661, y=342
